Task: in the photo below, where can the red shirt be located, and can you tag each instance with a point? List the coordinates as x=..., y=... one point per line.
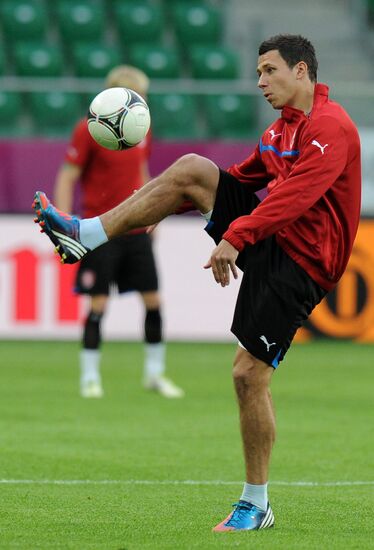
x=311, y=167
x=108, y=177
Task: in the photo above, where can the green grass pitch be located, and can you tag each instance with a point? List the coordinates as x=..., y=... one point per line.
x=136, y=471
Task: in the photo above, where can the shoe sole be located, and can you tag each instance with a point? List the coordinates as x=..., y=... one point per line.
x=232, y=530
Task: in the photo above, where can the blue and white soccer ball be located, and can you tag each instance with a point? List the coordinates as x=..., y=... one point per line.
x=118, y=118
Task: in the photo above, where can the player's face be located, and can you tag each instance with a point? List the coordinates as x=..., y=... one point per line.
x=276, y=80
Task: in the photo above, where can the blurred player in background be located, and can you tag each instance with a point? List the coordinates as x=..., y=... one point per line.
x=293, y=246
x=107, y=178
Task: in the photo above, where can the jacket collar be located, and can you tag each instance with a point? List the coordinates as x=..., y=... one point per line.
x=321, y=94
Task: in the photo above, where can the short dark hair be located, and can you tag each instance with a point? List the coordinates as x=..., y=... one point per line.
x=293, y=48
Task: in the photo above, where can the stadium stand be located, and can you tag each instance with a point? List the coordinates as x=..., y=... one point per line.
x=10, y=110
x=155, y=61
x=174, y=116
x=83, y=20
x=197, y=23
x=23, y=19
x=214, y=62
x=92, y=60
x=83, y=39
x=138, y=21
x=32, y=59
x=230, y=116
x=2, y=61
x=195, y=47
x=55, y=113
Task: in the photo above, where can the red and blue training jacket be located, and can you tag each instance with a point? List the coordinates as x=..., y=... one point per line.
x=310, y=165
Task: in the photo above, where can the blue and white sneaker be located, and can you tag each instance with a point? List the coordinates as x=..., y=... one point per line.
x=61, y=228
x=246, y=517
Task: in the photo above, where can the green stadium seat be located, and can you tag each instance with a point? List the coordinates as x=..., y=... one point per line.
x=138, y=21
x=87, y=97
x=174, y=116
x=94, y=60
x=80, y=20
x=33, y=59
x=10, y=111
x=155, y=61
x=55, y=113
x=216, y=62
x=197, y=23
x=2, y=60
x=231, y=116
x=23, y=19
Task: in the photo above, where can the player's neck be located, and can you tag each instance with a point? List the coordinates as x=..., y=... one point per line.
x=304, y=99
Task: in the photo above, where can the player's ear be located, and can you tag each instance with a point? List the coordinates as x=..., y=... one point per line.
x=301, y=69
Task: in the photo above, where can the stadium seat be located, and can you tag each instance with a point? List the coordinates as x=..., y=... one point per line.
x=94, y=60
x=80, y=20
x=23, y=19
x=2, y=60
x=138, y=21
x=155, y=61
x=370, y=4
x=87, y=97
x=55, y=113
x=10, y=111
x=173, y=116
x=231, y=116
x=197, y=23
x=216, y=62
x=37, y=59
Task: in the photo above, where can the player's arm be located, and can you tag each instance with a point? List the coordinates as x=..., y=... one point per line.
x=312, y=175
x=66, y=178
x=76, y=158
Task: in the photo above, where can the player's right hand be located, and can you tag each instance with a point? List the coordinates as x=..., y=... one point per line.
x=222, y=261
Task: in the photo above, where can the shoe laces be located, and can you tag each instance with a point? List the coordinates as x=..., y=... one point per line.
x=240, y=513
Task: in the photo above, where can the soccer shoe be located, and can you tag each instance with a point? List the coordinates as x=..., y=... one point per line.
x=246, y=517
x=91, y=389
x=61, y=228
x=164, y=387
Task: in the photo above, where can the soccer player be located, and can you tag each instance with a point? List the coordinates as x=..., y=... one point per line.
x=292, y=247
x=106, y=178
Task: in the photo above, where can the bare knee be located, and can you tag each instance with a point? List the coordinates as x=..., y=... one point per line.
x=190, y=167
x=151, y=299
x=196, y=178
x=251, y=376
x=99, y=303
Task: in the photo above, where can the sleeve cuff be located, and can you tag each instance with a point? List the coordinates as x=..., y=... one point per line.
x=233, y=239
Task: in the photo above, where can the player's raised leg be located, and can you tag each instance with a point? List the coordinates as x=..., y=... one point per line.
x=191, y=178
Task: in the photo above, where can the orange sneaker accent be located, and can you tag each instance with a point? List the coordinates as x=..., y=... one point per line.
x=221, y=526
x=44, y=201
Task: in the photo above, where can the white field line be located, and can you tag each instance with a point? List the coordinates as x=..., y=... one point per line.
x=177, y=482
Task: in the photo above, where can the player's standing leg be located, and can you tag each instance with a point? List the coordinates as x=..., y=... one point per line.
x=257, y=424
x=90, y=355
x=155, y=349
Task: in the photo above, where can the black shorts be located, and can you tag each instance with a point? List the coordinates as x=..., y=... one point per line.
x=126, y=263
x=276, y=295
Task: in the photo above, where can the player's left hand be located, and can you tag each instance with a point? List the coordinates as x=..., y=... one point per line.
x=222, y=261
